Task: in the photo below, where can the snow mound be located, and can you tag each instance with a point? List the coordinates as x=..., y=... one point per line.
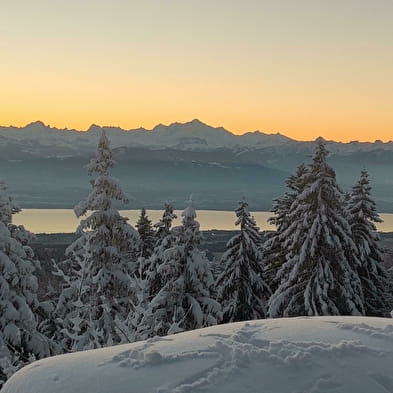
x=288, y=355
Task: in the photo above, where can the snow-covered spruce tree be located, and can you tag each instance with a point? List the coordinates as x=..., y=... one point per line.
x=377, y=289
x=146, y=244
x=164, y=240
x=99, y=290
x=273, y=251
x=185, y=301
x=149, y=281
x=242, y=291
x=318, y=276
x=20, y=340
x=163, y=227
x=146, y=234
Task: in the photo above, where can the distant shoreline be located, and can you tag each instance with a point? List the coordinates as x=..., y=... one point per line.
x=64, y=220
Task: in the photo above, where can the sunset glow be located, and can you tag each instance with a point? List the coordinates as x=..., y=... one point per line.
x=302, y=68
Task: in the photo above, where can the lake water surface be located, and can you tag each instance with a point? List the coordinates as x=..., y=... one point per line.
x=64, y=220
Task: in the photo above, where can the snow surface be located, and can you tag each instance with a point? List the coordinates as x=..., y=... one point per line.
x=297, y=355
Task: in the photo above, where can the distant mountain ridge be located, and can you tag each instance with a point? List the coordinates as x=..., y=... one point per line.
x=194, y=135
x=44, y=166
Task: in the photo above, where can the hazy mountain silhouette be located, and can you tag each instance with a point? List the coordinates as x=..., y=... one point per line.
x=44, y=165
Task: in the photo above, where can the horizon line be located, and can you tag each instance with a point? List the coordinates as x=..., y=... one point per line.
x=195, y=120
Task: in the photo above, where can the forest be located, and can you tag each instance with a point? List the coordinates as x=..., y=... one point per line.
x=120, y=284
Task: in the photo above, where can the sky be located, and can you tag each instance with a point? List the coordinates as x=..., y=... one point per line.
x=303, y=68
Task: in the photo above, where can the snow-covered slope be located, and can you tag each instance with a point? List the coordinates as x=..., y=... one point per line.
x=308, y=355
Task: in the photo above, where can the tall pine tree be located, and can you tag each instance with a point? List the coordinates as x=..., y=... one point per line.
x=185, y=301
x=273, y=249
x=99, y=290
x=151, y=281
x=319, y=275
x=164, y=240
x=20, y=340
x=282, y=206
x=242, y=291
x=373, y=276
x=146, y=234
x=163, y=227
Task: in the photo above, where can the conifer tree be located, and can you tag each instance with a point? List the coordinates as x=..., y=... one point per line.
x=273, y=250
x=242, y=291
x=146, y=234
x=99, y=290
x=20, y=340
x=185, y=301
x=163, y=227
x=282, y=206
x=164, y=240
x=318, y=276
x=150, y=283
x=373, y=276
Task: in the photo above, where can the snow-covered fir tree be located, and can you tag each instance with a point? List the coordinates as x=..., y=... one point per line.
x=186, y=299
x=146, y=234
x=146, y=242
x=319, y=275
x=20, y=340
x=99, y=289
x=163, y=227
x=273, y=249
x=282, y=206
x=242, y=291
x=150, y=283
x=377, y=289
x=164, y=240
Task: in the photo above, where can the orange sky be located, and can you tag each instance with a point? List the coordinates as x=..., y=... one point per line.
x=304, y=68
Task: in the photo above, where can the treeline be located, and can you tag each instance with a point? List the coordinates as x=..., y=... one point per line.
x=121, y=284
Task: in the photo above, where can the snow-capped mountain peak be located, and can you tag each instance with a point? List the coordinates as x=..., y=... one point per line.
x=194, y=135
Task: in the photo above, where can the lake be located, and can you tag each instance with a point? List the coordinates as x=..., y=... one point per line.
x=64, y=220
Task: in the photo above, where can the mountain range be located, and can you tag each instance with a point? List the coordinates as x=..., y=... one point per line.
x=39, y=139
x=44, y=165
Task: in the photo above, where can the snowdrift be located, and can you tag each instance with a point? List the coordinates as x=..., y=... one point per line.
x=297, y=355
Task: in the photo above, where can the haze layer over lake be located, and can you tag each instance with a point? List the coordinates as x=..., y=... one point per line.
x=64, y=220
